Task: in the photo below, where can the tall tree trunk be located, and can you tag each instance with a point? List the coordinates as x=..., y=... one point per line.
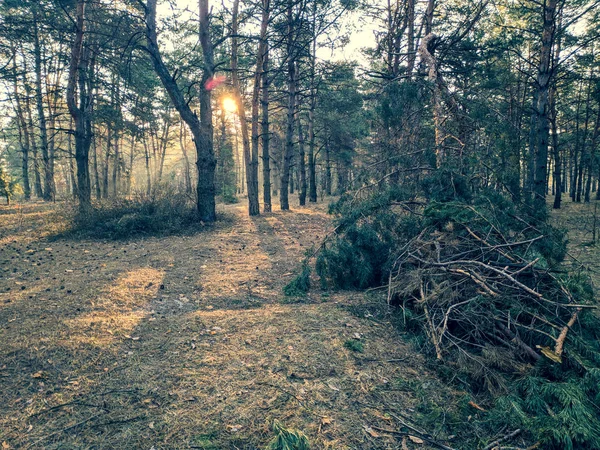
x=206, y=161
x=131, y=159
x=543, y=82
x=96, y=145
x=410, y=49
x=592, y=159
x=117, y=135
x=23, y=132
x=83, y=126
x=202, y=130
x=289, y=136
x=265, y=131
x=147, y=160
x=109, y=137
x=117, y=165
x=327, y=178
x=186, y=169
x=312, y=177
x=162, y=145
x=72, y=176
x=585, y=152
x=49, y=187
x=37, y=179
x=553, y=123
x=302, y=163
x=250, y=159
x=259, y=75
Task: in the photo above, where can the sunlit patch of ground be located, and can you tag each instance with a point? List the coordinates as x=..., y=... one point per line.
x=187, y=342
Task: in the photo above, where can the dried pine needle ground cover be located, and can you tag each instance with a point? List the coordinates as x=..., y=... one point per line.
x=579, y=219
x=187, y=342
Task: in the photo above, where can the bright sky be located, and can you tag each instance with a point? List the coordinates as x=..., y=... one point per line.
x=360, y=35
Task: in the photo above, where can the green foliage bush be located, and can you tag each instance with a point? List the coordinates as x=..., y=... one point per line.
x=354, y=345
x=390, y=232
x=166, y=211
x=300, y=285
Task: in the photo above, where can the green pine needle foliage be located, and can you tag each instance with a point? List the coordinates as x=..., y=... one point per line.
x=300, y=285
x=557, y=404
x=287, y=439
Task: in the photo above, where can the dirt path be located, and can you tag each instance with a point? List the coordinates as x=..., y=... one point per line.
x=187, y=342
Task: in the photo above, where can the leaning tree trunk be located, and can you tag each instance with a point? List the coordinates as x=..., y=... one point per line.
x=202, y=130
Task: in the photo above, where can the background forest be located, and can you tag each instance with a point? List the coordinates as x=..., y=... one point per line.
x=443, y=143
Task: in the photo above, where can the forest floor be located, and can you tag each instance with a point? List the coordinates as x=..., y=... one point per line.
x=188, y=342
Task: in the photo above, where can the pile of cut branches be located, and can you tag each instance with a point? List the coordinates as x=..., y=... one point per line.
x=486, y=291
x=483, y=286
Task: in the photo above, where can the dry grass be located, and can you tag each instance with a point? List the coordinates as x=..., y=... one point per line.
x=183, y=342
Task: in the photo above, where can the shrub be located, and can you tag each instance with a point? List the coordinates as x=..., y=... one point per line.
x=300, y=285
x=484, y=290
x=166, y=211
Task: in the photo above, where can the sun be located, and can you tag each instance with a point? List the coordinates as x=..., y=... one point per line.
x=229, y=104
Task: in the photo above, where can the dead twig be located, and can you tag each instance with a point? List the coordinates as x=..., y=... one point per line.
x=504, y=438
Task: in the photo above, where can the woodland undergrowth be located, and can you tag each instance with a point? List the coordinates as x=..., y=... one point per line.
x=479, y=284
x=162, y=212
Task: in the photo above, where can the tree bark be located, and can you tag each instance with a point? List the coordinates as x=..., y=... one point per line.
x=259, y=83
x=250, y=156
x=49, y=188
x=302, y=163
x=289, y=136
x=23, y=132
x=80, y=115
x=543, y=82
x=265, y=131
x=202, y=130
x=312, y=173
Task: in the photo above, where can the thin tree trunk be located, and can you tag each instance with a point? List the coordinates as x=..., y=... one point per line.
x=109, y=136
x=97, y=145
x=39, y=97
x=188, y=178
x=327, y=170
x=259, y=74
x=147, y=159
x=592, y=160
x=131, y=159
x=250, y=156
x=302, y=166
x=117, y=165
x=312, y=177
x=265, y=131
x=23, y=132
